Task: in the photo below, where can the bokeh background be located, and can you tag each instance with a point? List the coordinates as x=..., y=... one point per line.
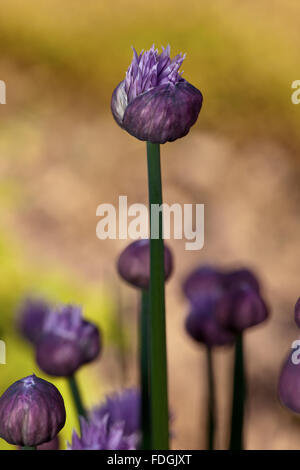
x=61, y=155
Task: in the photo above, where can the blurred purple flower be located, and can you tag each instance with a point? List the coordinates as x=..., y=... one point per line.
x=134, y=263
x=102, y=436
x=289, y=385
x=67, y=343
x=123, y=407
x=297, y=313
x=203, y=327
x=204, y=285
x=32, y=412
x=246, y=309
x=31, y=318
x=204, y=288
x=154, y=102
x=246, y=306
x=222, y=304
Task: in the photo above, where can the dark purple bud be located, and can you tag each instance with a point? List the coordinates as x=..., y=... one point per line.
x=297, y=313
x=68, y=342
x=31, y=318
x=50, y=445
x=245, y=308
x=154, y=102
x=32, y=412
x=241, y=278
x=121, y=407
x=58, y=356
x=204, y=285
x=102, y=436
x=204, y=328
x=134, y=263
x=289, y=384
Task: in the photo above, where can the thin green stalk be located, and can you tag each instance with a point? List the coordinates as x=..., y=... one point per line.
x=238, y=401
x=28, y=448
x=145, y=372
x=76, y=397
x=211, y=400
x=158, y=352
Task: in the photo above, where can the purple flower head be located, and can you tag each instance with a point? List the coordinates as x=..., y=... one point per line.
x=154, y=102
x=203, y=327
x=102, y=436
x=32, y=412
x=289, y=384
x=122, y=408
x=50, y=445
x=204, y=285
x=297, y=313
x=245, y=308
x=67, y=343
x=241, y=278
x=31, y=318
x=134, y=263
x=204, y=288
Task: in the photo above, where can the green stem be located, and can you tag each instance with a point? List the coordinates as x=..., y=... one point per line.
x=158, y=353
x=76, y=397
x=211, y=400
x=238, y=401
x=145, y=372
x=28, y=448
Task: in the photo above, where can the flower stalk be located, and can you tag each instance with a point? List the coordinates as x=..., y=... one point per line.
x=211, y=400
x=158, y=352
x=76, y=395
x=238, y=400
x=145, y=371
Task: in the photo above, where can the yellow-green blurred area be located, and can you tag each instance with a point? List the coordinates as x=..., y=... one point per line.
x=243, y=55
x=61, y=155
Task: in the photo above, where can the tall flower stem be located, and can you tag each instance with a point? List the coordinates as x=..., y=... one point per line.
x=158, y=350
x=211, y=400
x=238, y=400
x=76, y=397
x=145, y=371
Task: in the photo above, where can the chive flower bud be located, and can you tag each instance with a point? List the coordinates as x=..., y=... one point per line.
x=31, y=318
x=204, y=284
x=32, y=412
x=289, y=385
x=242, y=278
x=203, y=327
x=297, y=313
x=154, y=102
x=134, y=263
x=67, y=343
x=204, y=288
x=246, y=306
x=246, y=309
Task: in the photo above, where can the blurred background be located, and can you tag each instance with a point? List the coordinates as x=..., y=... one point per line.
x=61, y=155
